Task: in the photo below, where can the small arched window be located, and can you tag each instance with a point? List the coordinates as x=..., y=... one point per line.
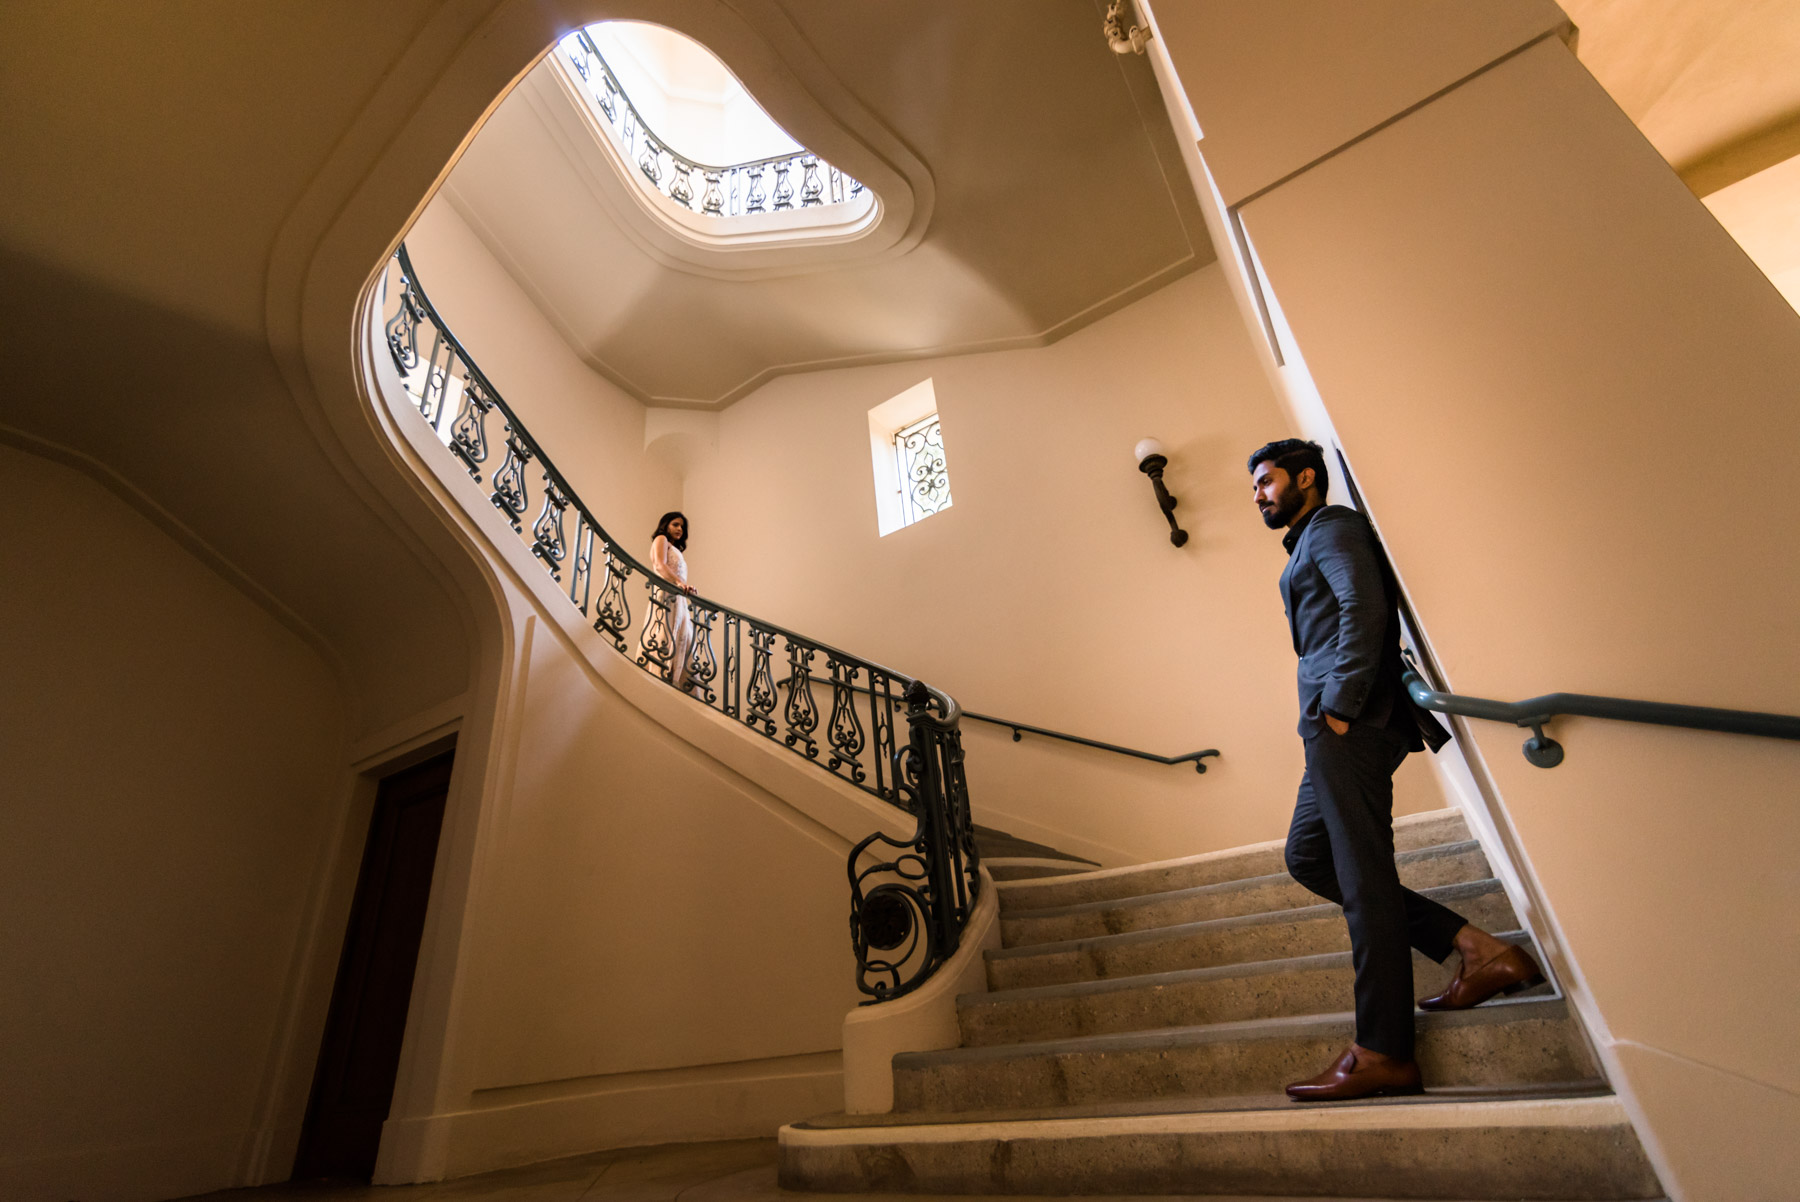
x=906, y=449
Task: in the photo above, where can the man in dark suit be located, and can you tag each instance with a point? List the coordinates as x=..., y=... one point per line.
x=1358, y=723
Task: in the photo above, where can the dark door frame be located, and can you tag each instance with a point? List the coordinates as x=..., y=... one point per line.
x=359, y=1054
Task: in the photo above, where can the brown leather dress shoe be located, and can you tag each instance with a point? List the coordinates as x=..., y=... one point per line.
x=1346, y=1079
x=1509, y=972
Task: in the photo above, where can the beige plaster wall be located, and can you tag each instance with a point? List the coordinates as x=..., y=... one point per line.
x=1403, y=52
x=645, y=909
x=1153, y=647
x=1763, y=213
x=1558, y=378
x=174, y=780
x=648, y=942
x=654, y=948
x=591, y=428
x=1048, y=592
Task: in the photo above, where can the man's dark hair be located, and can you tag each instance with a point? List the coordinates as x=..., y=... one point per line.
x=1293, y=456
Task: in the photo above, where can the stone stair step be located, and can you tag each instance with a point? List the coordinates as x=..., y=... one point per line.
x=1023, y=868
x=1276, y=935
x=1299, y=985
x=1411, y=832
x=1184, y=1104
x=1545, y=1149
x=1445, y=864
x=1501, y=1043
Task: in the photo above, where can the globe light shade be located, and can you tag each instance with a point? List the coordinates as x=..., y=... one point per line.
x=1147, y=447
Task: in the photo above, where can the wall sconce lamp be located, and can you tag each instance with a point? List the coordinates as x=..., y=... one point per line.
x=1151, y=460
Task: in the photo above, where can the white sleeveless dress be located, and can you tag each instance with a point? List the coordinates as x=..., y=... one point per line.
x=667, y=561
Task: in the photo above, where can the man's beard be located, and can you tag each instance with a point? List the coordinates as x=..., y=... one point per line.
x=1283, y=511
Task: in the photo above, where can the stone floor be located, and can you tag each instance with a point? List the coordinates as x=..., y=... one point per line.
x=737, y=1171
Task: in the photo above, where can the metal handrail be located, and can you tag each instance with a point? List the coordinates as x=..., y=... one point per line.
x=1193, y=757
x=1545, y=752
x=908, y=911
x=838, y=185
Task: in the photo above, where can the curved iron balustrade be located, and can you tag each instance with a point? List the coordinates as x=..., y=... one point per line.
x=776, y=184
x=1545, y=752
x=907, y=913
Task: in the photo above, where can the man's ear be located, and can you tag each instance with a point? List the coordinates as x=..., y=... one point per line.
x=1304, y=480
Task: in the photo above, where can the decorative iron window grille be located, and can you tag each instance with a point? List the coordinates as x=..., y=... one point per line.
x=924, y=478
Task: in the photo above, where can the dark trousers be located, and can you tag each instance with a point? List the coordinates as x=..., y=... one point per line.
x=1341, y=846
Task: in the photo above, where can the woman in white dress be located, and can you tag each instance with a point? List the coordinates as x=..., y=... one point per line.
x=668, y=562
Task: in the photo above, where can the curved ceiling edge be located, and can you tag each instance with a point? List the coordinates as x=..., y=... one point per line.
x=601, y=168
x=1048, y=336
x=770, y=58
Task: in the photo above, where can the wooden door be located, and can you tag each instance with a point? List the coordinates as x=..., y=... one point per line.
x=353, y=1085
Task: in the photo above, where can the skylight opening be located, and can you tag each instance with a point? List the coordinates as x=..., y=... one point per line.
x=688, y=96
x=690, y=133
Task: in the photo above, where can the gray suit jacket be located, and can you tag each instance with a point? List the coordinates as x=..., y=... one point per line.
x=1342, y=609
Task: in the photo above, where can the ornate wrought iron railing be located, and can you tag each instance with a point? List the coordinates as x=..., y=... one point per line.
x=837, y=710
x=1021, y=729
x=776, y=184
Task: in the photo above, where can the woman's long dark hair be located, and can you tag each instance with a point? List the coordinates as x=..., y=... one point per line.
x=662, y=529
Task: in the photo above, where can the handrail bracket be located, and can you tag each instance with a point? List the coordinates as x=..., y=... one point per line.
x=1545, y=752
x=1540, y=749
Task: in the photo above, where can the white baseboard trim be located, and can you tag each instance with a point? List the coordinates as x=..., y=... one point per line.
x=689, y=1105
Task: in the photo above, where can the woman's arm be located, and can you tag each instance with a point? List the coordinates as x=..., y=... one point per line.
x=659, y=554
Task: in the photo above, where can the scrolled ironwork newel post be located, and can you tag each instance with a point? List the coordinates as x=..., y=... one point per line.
x=933, y=799
x=907, y=913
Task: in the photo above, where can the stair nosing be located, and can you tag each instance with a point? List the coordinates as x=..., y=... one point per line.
x=1238, y=884
x=1175, y=976
x=1032, y=861
x=1200, y=1104
x=1201, y=926
x=1279, y=1027
x=1447, y=814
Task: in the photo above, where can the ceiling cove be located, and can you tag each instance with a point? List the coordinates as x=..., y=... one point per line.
x=1028, y=182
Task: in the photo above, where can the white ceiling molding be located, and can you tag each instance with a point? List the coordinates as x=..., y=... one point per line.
x=1021, y=342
